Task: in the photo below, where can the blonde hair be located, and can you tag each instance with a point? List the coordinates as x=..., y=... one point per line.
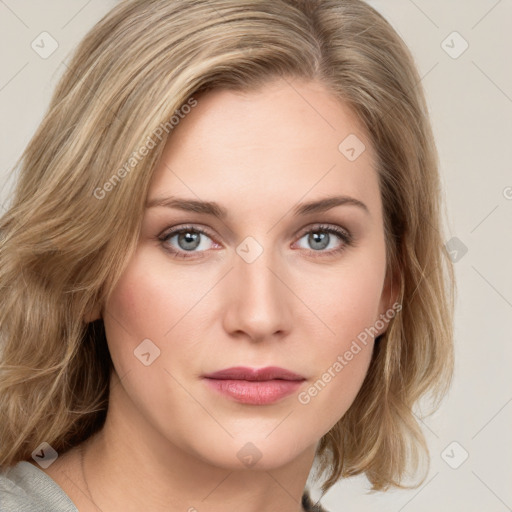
x=68, y=235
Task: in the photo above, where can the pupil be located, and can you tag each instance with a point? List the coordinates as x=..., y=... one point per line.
x=319, y=241
x=191, y=240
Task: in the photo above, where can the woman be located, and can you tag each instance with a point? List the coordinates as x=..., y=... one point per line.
x=223, y=263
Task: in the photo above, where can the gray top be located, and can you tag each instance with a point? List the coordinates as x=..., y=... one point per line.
x=26, y=488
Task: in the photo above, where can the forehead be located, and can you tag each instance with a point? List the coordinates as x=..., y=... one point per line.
x=286, y=141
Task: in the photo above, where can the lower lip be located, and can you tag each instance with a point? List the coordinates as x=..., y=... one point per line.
x=255, y=392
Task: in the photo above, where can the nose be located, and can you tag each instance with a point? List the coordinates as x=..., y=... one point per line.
x=259, y=301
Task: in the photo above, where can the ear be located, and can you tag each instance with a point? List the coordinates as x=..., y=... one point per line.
x=389, y=305
x=94, y=314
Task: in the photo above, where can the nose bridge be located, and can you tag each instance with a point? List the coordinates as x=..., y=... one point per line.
x=258, y=303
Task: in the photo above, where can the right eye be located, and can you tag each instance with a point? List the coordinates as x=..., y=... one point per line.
x=183, y=242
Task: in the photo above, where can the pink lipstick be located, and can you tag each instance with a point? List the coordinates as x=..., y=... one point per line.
x=255, y=386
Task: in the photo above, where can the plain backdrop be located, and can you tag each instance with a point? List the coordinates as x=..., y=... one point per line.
x=462, y=50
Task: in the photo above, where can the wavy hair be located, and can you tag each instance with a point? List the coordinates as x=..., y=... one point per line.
x=65, y=241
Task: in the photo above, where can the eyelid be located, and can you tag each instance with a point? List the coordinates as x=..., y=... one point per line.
x=175, y=230
x=321, y=226
x=205, y=230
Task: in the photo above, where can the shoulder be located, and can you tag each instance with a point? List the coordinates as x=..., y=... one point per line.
x=25, y=488
x=308, y=504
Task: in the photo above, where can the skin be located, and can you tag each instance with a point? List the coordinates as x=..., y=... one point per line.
x=170, y=442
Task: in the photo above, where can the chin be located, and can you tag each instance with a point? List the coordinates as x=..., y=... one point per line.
x=257, y=452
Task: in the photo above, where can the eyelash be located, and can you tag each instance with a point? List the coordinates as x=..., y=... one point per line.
x=345, y=236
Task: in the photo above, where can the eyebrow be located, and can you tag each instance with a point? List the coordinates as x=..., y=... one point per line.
x=213, y=208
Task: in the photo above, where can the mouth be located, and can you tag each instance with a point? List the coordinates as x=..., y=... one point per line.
x=254, y=386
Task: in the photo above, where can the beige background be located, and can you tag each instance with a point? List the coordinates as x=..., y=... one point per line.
x=470, y=99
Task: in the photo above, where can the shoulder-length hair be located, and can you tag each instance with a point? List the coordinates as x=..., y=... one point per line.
x=76, y=211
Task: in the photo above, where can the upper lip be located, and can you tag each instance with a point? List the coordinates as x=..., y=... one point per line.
x=254, y=374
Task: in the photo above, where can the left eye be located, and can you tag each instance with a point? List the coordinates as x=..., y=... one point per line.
x=320, y=239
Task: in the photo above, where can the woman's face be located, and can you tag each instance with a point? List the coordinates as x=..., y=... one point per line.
x=269, y=282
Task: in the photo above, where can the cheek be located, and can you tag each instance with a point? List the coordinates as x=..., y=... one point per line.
x=342, y=357
x=136, y=312
x=146, y=303
x=330, y=396
x=347, y=300
x=151, y=303
x=143, y=315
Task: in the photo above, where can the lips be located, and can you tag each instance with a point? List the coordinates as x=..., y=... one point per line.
x=253, y=374
x=250, y=386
